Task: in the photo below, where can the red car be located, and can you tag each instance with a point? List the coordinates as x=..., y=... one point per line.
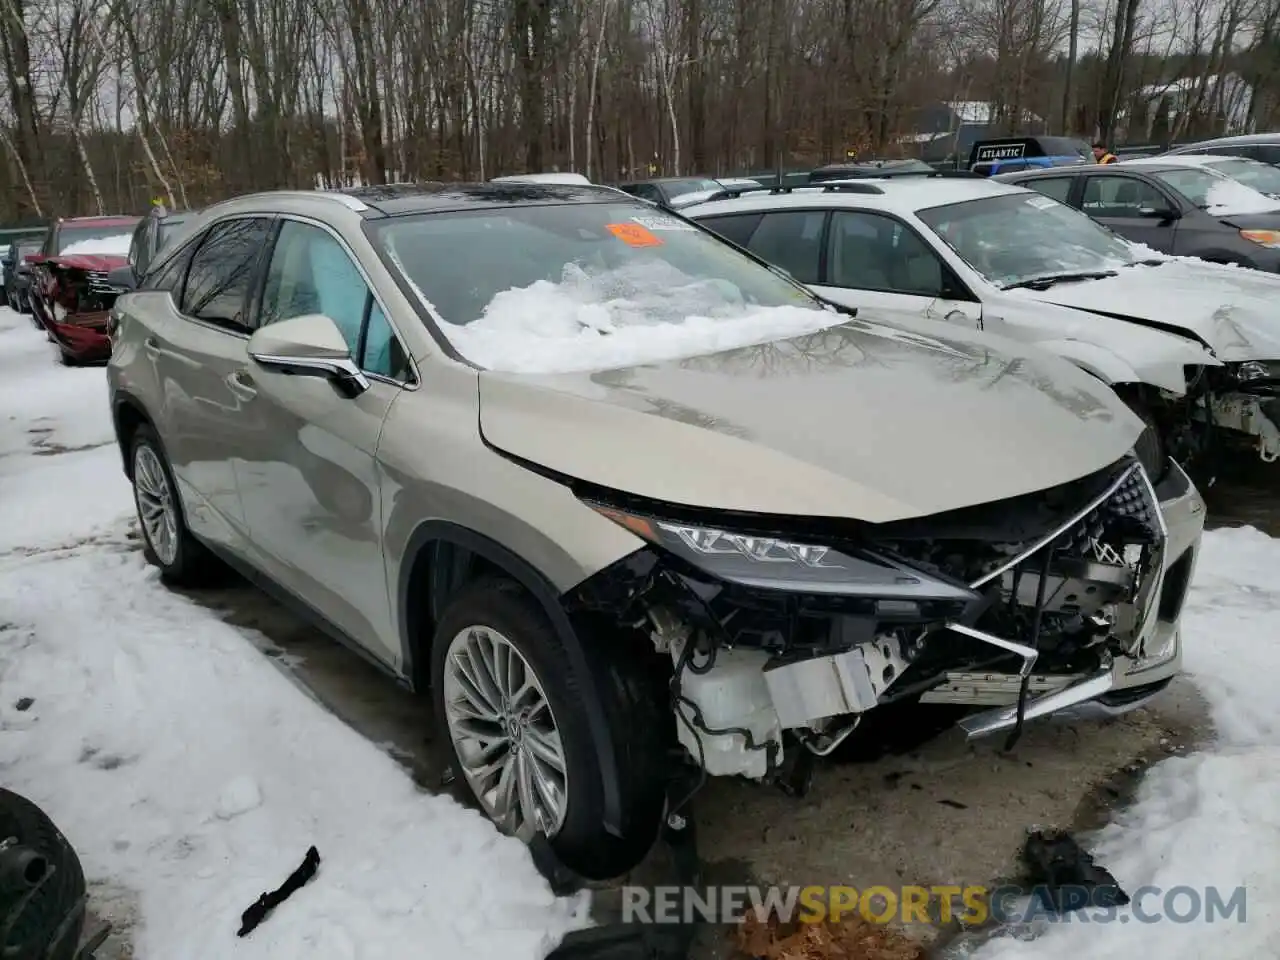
x=71, y=291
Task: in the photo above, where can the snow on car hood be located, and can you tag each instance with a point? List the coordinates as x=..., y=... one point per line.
x=866, y=420
x=1232, y=198
x=1233, y=310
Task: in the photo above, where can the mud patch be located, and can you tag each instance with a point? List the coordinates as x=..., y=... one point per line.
x=853, y=939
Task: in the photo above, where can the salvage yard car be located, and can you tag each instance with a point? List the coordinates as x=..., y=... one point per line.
x=1193, y=348
x=1170, y=206
x=606, y=485
x=70, y=290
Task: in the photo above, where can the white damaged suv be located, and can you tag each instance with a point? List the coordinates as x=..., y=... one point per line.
x=1193, y=348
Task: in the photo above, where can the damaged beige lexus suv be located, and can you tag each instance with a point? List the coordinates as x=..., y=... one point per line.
x=627, y=501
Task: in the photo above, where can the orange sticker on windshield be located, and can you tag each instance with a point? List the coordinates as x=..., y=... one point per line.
x=633, y=235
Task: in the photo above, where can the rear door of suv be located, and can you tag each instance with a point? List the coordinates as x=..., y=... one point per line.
x=195, y=347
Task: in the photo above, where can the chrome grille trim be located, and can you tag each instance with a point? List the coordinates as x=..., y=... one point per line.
x=1062, y=528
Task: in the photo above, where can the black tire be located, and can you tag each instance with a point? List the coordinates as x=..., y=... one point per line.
x=192, y=564
x=67, y=359
x=42, y=919
x=634, y=712
x=1151, y=448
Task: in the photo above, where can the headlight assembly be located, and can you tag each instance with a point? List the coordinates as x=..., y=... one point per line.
x=1254, y=370
x=776, y=563
x=1265, y=238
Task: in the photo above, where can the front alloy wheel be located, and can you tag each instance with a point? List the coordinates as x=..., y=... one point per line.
x=505, y=734
x=522, y=740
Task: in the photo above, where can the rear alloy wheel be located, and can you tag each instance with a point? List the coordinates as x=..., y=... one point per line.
x=510, y=699
x=167, y=543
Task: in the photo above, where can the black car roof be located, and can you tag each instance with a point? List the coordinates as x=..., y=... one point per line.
x=397, y=199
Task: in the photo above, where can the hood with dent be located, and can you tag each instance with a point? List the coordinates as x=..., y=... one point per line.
x=100, y=262
x=1232, y=309
x=862, y=420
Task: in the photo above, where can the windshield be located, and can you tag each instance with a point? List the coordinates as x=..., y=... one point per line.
x=101, y=239
x=1023, y=236
x=1214, y=192
x=542, y=288
x=677, y=188
x=1263, y=177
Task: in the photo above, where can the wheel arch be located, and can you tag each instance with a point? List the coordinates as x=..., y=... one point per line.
x=127, y=414
x=439, y=558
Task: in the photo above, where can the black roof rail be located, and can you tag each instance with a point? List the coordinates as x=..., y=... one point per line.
x=859, y=186
x=729, y=193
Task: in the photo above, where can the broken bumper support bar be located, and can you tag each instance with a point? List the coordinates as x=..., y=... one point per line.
x=1005, y=718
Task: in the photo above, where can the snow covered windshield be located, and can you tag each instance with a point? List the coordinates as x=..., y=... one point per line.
x=1262, y=177
x=101, y=239
x=572, y=286
x=1215, y=193
x=1020, y=237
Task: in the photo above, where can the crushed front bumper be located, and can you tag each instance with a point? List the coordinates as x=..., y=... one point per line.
x=1128, y=682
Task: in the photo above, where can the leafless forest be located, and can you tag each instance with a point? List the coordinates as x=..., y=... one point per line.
x=113, y=103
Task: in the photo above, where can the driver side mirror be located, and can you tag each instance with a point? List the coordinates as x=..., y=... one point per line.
x=309, y=346
x=1158, y=213
x=123, y=278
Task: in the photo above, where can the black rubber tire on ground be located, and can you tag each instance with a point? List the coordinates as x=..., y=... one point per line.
x=637, y=716
x=42, y=916
x=193, y=565
x=1151, y=448
x=67, y=359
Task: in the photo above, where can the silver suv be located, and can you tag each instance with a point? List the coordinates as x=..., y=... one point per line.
x=611, y=488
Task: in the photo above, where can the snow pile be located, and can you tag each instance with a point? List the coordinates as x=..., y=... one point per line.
x=644, y=313
x=182, y=765
x=1211, y=819
x=116, y=245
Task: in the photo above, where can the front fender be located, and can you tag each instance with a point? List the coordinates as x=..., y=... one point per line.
x=1165, y=368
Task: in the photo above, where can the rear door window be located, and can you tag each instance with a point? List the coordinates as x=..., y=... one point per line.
x=792, y=240
x=222, y=272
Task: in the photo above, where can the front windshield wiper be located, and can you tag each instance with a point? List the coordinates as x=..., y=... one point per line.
x=1149, y=262
x=837, y=307
x=1047, y=281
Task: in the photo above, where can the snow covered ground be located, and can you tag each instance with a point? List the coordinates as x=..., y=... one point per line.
x=182, y=765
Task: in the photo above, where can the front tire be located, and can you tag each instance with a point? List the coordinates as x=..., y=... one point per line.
x=508, y=700
x=1151, y=448
x=166, y=541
